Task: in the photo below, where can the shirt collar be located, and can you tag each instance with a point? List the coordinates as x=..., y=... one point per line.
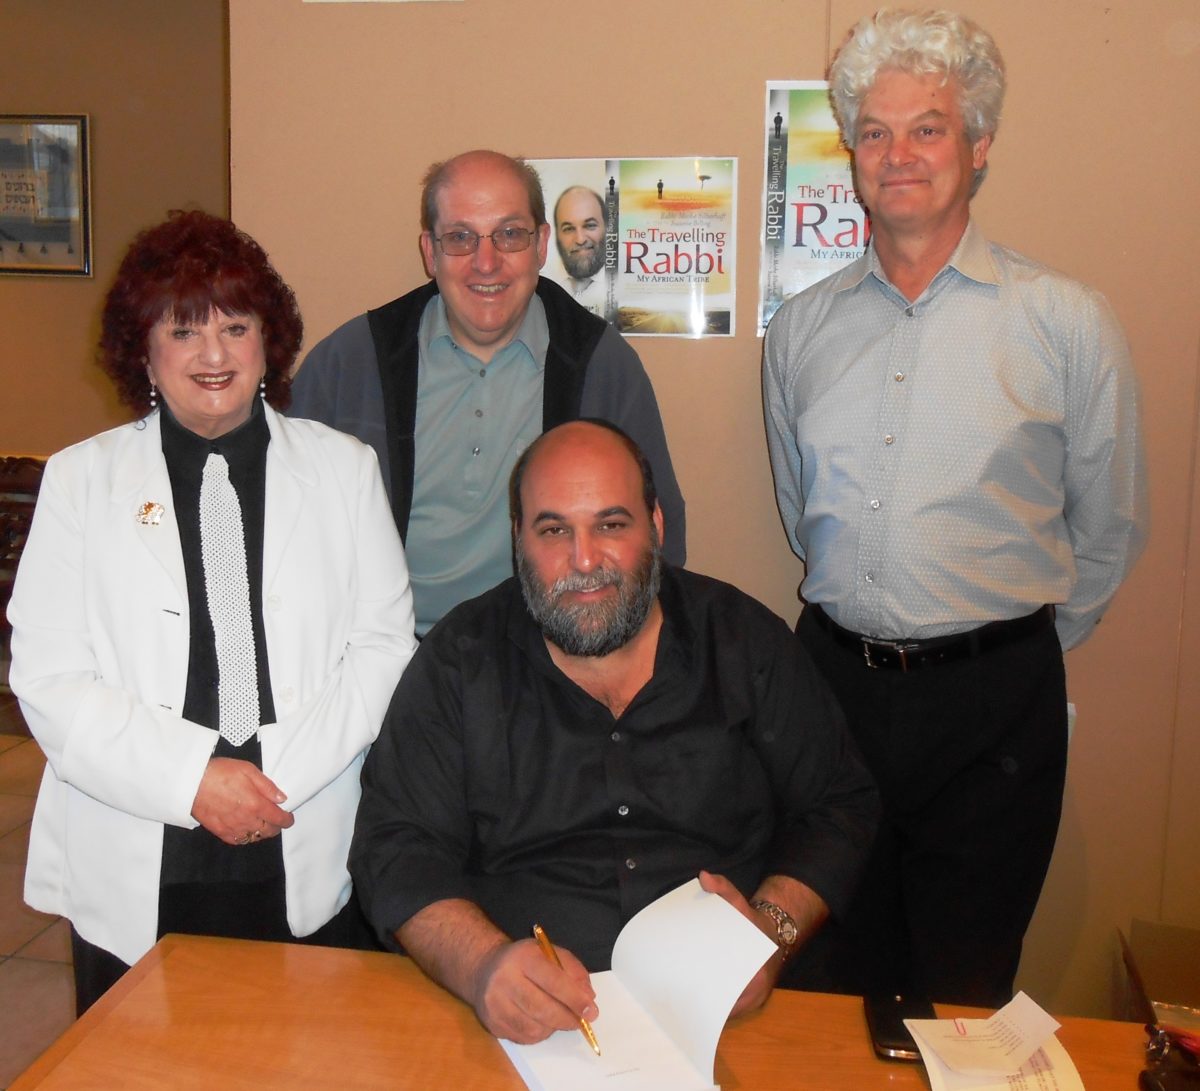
x=533, y=334
x=242, y=447
x=972, y=258
x=856, y=272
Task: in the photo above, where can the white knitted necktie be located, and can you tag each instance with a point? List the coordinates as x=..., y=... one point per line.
x=223, y=551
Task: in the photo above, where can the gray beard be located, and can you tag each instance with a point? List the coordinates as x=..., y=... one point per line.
x=584, y=264
x=594, y=629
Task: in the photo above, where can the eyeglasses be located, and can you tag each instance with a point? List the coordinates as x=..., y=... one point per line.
x=508, y=240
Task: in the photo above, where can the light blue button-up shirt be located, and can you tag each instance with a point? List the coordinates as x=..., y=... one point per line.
x=959, y=459
x=473, y=421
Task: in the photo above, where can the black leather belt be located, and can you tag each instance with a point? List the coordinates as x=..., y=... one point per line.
x=909, y=655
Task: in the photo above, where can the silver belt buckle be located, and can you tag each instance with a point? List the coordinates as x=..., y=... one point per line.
x=896, y=646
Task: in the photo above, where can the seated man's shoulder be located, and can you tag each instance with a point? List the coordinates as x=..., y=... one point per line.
x=728, y=609
x=479, y=622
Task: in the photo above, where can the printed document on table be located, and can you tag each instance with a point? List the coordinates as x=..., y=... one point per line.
x=678, y=967
x=1013, y=1050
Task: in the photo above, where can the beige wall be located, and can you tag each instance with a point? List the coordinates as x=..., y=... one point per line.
x=152, y=76
x=337, y=108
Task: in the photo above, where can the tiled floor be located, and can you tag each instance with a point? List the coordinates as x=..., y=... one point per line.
x=37, y=997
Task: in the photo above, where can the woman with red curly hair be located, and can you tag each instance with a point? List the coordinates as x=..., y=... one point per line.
x=211, y=613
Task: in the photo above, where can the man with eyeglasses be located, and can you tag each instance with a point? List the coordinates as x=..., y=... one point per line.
x=450, y=382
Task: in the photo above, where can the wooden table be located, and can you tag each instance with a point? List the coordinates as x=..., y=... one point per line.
x=214, y=1013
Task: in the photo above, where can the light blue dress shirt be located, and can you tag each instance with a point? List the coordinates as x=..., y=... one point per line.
x=473, y=421
x=960, y=459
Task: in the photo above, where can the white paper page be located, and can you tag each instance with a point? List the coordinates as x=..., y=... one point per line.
x=995, y=1046
x=1049, y=1069
x=686, y=958
x=635, y=1055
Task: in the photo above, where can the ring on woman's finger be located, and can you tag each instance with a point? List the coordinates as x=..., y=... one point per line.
x=243, y=840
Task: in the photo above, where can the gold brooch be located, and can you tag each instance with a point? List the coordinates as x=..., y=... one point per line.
x=150, y=514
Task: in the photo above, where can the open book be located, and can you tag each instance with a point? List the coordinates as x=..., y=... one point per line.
x=677, y=968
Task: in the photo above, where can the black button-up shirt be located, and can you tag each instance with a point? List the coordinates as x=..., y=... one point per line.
x=195, y=855
x=498, y=780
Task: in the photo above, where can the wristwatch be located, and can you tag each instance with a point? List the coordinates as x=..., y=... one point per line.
x=786, y=931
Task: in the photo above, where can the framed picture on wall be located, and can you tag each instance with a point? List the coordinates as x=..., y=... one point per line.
x=45, y=195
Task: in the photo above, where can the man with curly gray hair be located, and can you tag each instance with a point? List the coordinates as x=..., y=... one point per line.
x=954, y=435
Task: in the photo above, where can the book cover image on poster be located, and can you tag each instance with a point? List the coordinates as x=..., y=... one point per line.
x=813, y=223
x=647, y=244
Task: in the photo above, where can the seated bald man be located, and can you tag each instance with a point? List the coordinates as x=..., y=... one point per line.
x=587, y=736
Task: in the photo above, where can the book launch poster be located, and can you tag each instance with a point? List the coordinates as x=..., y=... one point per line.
x=647, y=244
x=813, y=223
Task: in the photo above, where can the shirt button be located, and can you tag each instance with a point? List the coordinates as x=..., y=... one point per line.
x=889, y=440
x=910, y=311
x=475, y=451
x=899, y=376
x=615, y=736
x=482, y=372
x=874, y=505
x=274, y=602
x=622, y=810
x=869, y=577
x=631, y=863
x=288, y=695
x=479, y=412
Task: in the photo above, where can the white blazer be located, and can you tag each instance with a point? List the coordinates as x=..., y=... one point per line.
x=100, y=656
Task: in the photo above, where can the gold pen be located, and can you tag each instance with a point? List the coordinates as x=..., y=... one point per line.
x=539, y=934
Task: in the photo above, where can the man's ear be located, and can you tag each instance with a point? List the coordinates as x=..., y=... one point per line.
x=979, y=151
x=427, y=254
x=543, y=244
x=656, y=518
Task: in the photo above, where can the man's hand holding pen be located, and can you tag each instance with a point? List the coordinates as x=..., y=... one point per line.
x=523, y=996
